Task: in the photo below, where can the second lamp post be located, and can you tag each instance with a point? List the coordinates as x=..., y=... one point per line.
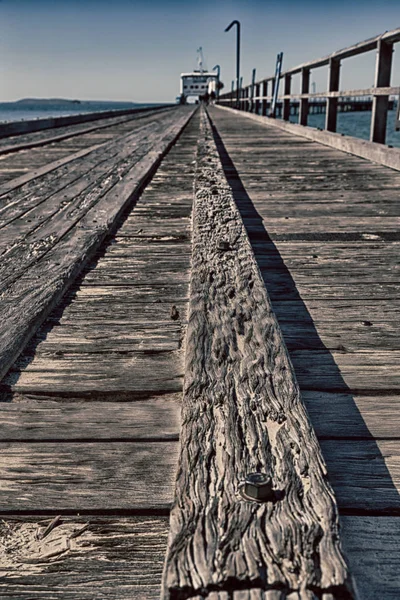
x=237, y=23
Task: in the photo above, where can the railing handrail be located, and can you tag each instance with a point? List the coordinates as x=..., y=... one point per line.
x=392, y=37
x=380, y=92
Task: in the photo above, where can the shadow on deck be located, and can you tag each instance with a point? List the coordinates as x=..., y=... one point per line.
x=262, y=244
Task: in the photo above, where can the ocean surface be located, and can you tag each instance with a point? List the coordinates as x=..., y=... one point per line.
x=18, y=111
x=357, y=124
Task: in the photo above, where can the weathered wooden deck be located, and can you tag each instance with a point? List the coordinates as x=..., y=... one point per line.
x=90, y=418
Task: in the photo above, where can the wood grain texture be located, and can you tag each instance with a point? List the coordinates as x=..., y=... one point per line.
x=109, y=560
x=102, y=476
x=136, y=373
x=372, y=545
x=57, y=134
x=61, y=263
x=242, y=413
x=365, y=475
x=356, y=371
x=341, y=415
x=28, y=418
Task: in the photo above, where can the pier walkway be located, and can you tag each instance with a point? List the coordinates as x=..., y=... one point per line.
x=104, y=254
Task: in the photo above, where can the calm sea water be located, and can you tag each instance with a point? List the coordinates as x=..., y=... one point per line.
x=15, y=111
x=358, y=125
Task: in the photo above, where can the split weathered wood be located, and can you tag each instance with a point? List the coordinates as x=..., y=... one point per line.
x=62, y=189
x=114, y=552
x=57, y=134
x=242, y=413
x=81, y=557
x=62, y=256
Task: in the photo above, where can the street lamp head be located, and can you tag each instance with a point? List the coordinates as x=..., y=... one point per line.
x=235, y=22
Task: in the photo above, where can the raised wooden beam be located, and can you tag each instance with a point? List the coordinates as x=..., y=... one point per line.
x=380, y=103
x=333, y=86
x=242, y=414
x=305, y=88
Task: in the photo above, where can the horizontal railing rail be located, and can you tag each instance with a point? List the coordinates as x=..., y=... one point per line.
x=257, y=96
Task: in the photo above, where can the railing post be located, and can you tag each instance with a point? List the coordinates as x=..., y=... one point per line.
x=286, y=102
x=253, y=81
x=264, y=100
x=332, y=103
x=380, y=103
x=257, y=101
x=305, y=88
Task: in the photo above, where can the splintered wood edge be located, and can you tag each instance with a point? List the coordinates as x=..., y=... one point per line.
x=242, y=413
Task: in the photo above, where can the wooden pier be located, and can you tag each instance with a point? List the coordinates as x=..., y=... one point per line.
x=188, y=296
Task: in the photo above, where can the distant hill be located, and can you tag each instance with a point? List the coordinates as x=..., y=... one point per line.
x=45, y=101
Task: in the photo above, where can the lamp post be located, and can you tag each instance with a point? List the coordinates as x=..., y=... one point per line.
x=237, y=23
x=218, y=69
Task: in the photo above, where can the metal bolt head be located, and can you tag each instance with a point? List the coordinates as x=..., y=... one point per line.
x=223, y=245
x=258, y=487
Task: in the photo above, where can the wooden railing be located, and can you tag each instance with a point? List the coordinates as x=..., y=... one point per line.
x=256, y=97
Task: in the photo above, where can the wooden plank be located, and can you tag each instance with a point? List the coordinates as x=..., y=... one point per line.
x=114, y=303
x=364, y=474
x=111, y=556
x=282, y=287
x=103, y=337
x=17, y=202
x=340, y=336
x=341, y=415
x=299, y=255
x=330, y=225
x=63, y=262
x=372, y=545
x=31, y=418
x=242, y=413
x=36, y=476
x=55, y=213
x=101, y=476
x=90, y=375
x=363, y=371
x=350, y=311
x=16, y=183
x=57, y=134
x=378, y=153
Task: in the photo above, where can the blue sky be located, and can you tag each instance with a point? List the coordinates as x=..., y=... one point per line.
x=136, y=50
